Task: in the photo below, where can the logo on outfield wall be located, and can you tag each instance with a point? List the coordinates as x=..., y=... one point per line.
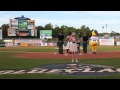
x=68, y=69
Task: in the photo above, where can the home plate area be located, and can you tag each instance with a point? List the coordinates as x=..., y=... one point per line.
x=79, y=69
x=68, y=69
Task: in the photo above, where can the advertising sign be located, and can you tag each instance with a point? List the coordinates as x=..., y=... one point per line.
x=28, y=41
x=32, y=32
x=31, y=24
x=11, y=32
x=50, y=44
x=14, y=23
x=118, y=43
x=46, y=34
x=106, y=41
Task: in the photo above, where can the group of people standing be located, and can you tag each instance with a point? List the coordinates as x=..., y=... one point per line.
x=73, y=44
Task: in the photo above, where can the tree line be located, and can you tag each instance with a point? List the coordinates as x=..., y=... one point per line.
x=55, y=30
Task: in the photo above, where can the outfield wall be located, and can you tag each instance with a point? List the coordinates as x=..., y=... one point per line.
x=39, y=42
x=27, y=42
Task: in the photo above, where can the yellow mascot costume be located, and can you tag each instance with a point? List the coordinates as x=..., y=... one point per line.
x=94, y=41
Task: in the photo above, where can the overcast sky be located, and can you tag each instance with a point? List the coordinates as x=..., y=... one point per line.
x=93, y=19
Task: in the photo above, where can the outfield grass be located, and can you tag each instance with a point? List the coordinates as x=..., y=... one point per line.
x=7, y=61
x=53, y=49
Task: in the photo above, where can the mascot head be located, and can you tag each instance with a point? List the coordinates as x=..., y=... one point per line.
x=95, y=33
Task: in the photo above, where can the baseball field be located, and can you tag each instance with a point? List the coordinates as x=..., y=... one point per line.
x=22, y=58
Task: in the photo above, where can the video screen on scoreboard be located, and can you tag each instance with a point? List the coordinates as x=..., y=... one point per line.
x=22, y=28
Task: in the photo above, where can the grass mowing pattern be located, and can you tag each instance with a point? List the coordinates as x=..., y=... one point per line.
x=7, y=61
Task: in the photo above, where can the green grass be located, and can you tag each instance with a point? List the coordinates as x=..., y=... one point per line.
x=29, y=49
x=7, y=61
x=53, y=49
x=53, y=76
x=108, y=48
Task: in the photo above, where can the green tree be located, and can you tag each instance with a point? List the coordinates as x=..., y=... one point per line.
x=5, y=27
x=55, y=32
x=48, y=26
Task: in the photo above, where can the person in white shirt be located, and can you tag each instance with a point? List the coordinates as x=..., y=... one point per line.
x=68, y=43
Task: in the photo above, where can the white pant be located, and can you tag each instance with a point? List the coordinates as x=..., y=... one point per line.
x=69, y=44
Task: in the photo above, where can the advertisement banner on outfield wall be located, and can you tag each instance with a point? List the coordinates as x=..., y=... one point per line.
x=28, y=41
x=118, y=43
x=50, y=44
x=9, y=44
x=0, y=34
x=107, y=42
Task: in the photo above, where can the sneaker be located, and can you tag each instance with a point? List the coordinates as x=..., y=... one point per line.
x=66, y=54
x=81, y=54
x=55, y=53
x=90, y=53
x=95, y=53
x=73, y=60
x=76, y=60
